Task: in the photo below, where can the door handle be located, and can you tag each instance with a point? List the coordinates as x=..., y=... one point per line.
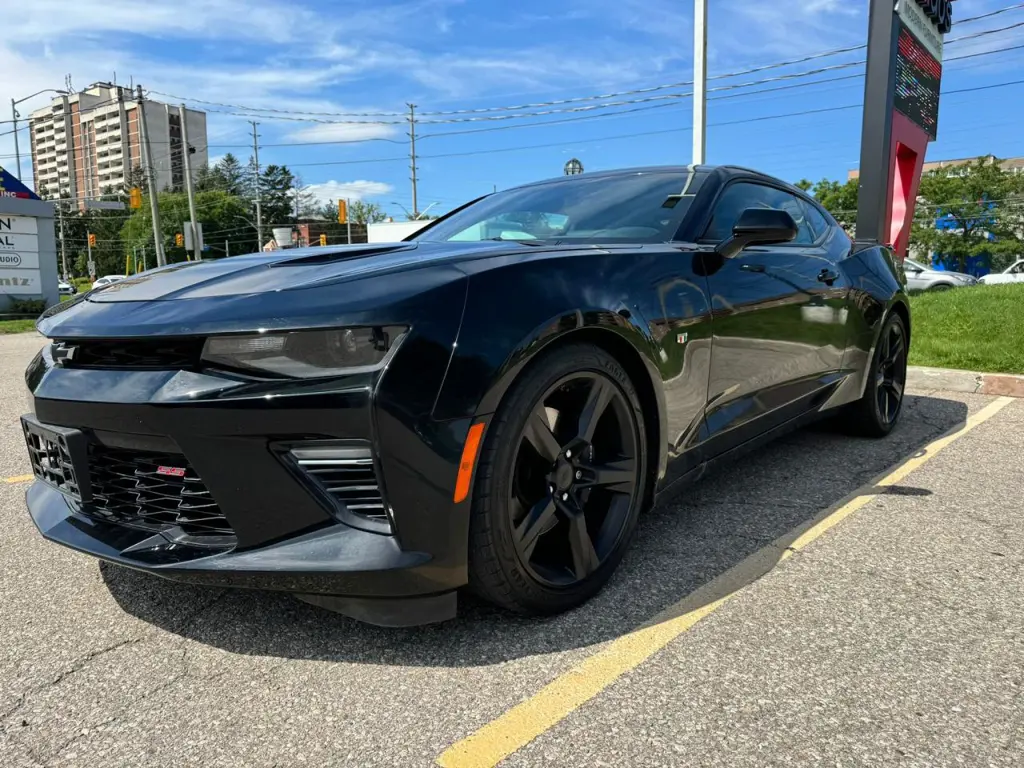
x=827, y=276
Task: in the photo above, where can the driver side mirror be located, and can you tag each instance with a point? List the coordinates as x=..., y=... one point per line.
x=758, y=226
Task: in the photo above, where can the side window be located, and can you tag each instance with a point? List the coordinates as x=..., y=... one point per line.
x=1019, y=269
x=738, y=197
x=819, y=224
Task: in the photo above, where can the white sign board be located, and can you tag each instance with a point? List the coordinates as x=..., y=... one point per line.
x=19, y=255
x=18, y=281
x=187, y=229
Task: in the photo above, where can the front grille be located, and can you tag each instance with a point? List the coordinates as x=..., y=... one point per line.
x=346, y=474
x=149, y=353
x=151, y=490
x=50, y=457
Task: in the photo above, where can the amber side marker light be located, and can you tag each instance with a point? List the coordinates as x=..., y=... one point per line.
x=469, y=452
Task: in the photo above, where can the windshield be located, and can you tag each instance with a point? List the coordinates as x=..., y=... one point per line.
x=641, y=207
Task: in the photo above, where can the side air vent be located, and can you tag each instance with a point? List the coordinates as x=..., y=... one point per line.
x=344, y=472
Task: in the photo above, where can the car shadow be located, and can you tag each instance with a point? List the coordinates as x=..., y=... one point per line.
x=680, y=546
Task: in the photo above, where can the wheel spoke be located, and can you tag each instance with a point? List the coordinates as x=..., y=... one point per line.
x=539, y=435
x=584, y=556
x=600, y=396
x=617, y=476
x=539, y=520
x=884, y=402
x=895, y=350
x=895, y=387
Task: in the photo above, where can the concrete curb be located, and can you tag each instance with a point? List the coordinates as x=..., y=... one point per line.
x=965, y=381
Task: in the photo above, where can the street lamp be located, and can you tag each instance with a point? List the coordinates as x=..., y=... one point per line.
x=413, y=216
x=573, y=168
x=15, y=114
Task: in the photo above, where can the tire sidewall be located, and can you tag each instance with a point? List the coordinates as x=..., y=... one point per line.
x=872, y=389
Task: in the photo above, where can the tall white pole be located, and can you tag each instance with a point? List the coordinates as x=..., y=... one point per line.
x=187, y=165
x=348, y=221
x=700, y=80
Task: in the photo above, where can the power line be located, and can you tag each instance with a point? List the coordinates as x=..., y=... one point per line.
x=577, y=99
x=682, y=129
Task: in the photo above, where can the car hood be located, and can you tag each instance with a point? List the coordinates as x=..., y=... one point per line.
x=295, y=269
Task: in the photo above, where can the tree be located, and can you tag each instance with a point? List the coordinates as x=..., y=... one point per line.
x=839, y=199
x=229, y=176
x=304, y=202
x=223, y=216
x=805, y=184
x=277, y=200
x=971, y=210
x=362, y=212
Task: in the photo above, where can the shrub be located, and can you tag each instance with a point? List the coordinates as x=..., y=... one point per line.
x=28, y=306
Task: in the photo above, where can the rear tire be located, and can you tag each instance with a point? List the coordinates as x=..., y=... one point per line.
x=550, y=524
x=878, y=411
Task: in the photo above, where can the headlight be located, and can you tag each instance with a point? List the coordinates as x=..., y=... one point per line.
x=305, y=354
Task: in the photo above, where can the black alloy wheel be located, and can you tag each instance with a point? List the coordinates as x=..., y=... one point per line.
x=878, y=411
x=559, y=483
x=574, y=479
x=891, y=373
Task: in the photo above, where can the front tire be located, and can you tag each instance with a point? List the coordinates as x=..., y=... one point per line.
x=878, y=411
x=559, y=485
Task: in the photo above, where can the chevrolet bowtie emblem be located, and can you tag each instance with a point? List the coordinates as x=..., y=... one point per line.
x=63, y=353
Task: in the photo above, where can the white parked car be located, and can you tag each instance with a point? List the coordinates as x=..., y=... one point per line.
x=1012, y=274
x=922, y=278
x=107, y=280
x=65, y=288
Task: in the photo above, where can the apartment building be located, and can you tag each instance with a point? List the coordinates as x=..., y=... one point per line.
x=88, y=141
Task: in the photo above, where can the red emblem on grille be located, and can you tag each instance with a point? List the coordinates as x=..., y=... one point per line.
x=171, y=471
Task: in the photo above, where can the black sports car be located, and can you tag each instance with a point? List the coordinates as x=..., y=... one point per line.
x=491, y=403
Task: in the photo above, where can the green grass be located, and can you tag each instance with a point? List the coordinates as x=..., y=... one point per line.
x=976, y=329
x=17, y=326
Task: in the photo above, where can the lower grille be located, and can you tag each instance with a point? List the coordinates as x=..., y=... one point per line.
x=151, y=490
x=345, y=473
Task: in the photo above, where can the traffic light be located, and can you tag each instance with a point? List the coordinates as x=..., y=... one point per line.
x=92, y=240
x=135, y=198
x=323, y=239
x=179, y=240
x=342, y=212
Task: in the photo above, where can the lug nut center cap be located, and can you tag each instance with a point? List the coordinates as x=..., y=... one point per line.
x=564, y=475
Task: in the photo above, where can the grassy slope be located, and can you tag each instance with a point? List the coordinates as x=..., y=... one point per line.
x=976, y=329
x=17, y=326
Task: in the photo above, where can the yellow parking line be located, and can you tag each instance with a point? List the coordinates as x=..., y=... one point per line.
x=18, y=479
x=526, y=721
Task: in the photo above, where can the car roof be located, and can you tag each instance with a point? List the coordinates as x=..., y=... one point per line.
x=734, y=170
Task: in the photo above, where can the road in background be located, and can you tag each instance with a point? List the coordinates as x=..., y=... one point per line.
x=894, y=638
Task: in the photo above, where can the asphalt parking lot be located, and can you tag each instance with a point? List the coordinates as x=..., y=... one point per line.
x=860, y=623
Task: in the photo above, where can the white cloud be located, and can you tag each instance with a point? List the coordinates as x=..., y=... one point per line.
x=350, y=190
x=343, y=132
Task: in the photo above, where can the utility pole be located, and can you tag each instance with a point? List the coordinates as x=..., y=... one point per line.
x=412, y=157
x=700, y=80
x=17, y=152
x=227, y=248
x=63, y=248
x=348, y=222
x=187, y=162
x=147, y=165
x=256, y=181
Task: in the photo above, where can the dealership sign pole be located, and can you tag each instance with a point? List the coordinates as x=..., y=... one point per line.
x=901, y=113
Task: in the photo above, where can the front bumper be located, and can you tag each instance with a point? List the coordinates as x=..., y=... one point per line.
x=285, y=536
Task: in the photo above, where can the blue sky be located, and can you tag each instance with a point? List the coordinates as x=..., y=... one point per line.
x=444, y=55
